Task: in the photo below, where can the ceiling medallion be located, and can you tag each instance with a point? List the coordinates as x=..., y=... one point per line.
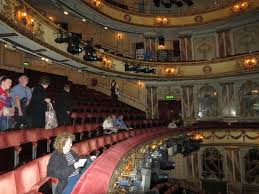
x=249, y=63
x=198, y=19
x=127, y=17
x=207, y=69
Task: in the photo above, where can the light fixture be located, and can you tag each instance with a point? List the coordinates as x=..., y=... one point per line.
x=171, y=71
x=161, y=21
x=238, y=7
x=65, y=12
x=119, y=36
x=249, y=63
x=84, y=20
x=97, y=3
x=107, y=62
x=140, y=84
x=106, y=28
x=51, y=18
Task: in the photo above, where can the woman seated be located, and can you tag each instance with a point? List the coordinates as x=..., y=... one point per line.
x=64, y=164
x=108, y=126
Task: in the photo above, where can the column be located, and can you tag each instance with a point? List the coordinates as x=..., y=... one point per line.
x=150, y=46
x=188, y=103
x=228, y=100
x=224, y=42
x=151, y=102
x=186, y=47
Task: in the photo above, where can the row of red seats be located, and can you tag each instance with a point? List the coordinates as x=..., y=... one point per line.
x=107, y=108
x=93, y=117
x=31, y=176
x=18, y=138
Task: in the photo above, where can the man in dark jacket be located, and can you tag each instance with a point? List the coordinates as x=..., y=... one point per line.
x=63, y=106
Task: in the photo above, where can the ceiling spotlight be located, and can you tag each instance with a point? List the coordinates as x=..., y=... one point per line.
x=42, y=58
x=84, y=20
x=106, y=28
x=65, y=12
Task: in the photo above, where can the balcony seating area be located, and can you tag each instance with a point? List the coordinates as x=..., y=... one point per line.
x=29, y=177
x=27, y=151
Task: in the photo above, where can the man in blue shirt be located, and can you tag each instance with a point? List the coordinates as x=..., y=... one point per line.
x=21, y=95
x=118, y=122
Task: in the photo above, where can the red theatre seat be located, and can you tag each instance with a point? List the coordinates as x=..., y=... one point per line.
x=26, y=177
x=93, y=144
x=115, y=138
x=42, y=165
x=7, y=183
x=100, y=142
x=108, y=139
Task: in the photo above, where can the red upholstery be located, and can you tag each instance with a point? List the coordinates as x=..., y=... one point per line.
x=14, y=138
x=83, y=148
x=100, y=142
x=7, y=183
x=93, y=144
x=108, y=139
x=26, y=177
x=42, y=165
x=120, y=136
x=32, y=135
x=114, y=137
x=126, y=134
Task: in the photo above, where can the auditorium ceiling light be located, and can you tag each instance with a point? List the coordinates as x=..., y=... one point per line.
x=106, y=28
x=242, y=6
x=249, y=62
x=65, y=12
x=84, y=20
x=51, y=18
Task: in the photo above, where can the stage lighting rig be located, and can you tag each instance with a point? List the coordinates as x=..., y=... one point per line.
x=184, y=144
x=90, y=52
x=74, y=44
x=61, y=38
x=138, y=68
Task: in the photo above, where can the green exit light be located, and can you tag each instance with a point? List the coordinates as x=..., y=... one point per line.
x=170, y=97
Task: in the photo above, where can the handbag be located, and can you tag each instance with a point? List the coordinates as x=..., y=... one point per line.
x=50, y=117
x=8, y=111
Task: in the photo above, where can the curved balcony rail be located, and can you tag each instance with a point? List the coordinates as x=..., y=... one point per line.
x=28, y=29
x=120, y=162
x=148, y=7
x=229, y=10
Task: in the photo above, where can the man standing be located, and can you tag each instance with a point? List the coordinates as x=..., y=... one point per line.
x=114, y=91
x=21, y=95
x=63, y=105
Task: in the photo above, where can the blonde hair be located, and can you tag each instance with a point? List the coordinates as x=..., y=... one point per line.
x=61, y=140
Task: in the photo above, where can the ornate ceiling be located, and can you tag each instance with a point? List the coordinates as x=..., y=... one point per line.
x=119, y=20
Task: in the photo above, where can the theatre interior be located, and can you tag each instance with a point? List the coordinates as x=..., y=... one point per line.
x=129, y=96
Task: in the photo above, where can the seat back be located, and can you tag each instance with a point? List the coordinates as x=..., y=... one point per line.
x=108, y=139
x=100, y=142
x=26, y=176
x=93, y=144
x=42, y=165
x=7, y=183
